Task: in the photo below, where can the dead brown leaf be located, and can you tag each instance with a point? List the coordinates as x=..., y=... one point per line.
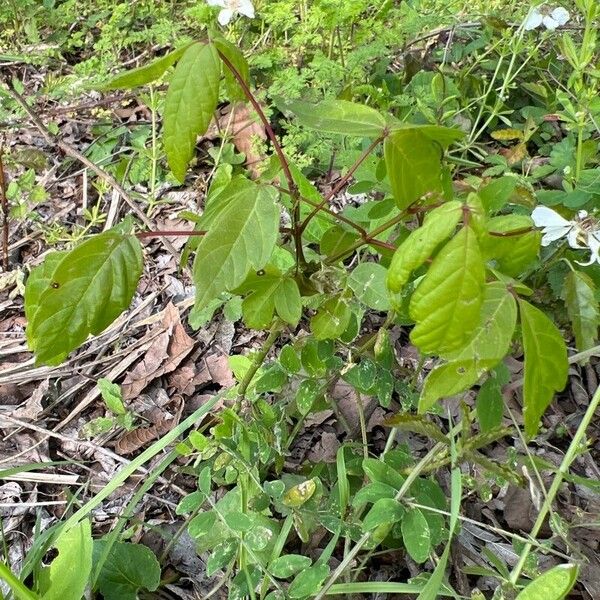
x=212, y=369
x=32, y=408
x=138, y=438
x=163, y=356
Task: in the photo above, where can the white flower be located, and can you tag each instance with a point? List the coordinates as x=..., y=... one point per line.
x=231, y=7
x=541, y=15
x=582, y=233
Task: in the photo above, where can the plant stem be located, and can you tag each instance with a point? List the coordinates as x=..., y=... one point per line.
x=571, y=454
x=4, y=205
x=16, y=585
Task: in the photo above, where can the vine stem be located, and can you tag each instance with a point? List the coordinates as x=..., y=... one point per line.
x=4, y=205
x=568, y=459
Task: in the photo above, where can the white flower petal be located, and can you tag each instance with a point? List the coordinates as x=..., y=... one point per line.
x=533, y=20
x=551, y=234
x=549, y=23
x=560, y=15
x=573, y=240
x=221, y=3
x=225, y=16
x=246, y=8
x=546, y=217
x=594, y=244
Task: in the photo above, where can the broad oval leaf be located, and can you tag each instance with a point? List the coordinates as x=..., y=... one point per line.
x=89, y=288
x=554, y=584
x=579, y=294
x=416, y=535
x=422, y=242
x=332, y=319
x=414, y=165
x=444, y=136
x=299, y=494
x=146, y=73
x=546, y=364
x=202, y=523
x=128, y=568
x=446, y=304
x=384, y=511
x=367, y=282
x=190, y=103
x=288, y=565
x=242, y=237
x=339, y=116
x=308, y=582
x=69, y=572
x=488, y=346
x=239, y=63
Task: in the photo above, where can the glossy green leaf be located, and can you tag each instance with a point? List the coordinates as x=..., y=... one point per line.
x=288, y=565
x=438, y=225
x=488, y=346
x=69, y=573
x=190, y=103
x=384, y=511
x=241, y=238
x=367, y=281
x=89, y=288
x=414, y=165
x=512, y=252
x=546, y=364
x=127, y=569
x=446, y=304
x=579, y=294
x=339, y=116
x=146, y=73
x=416, y=535
x=331, y=319
x=308, y=582
x=554, y=584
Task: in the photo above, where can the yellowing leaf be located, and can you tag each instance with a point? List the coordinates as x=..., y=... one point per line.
x=413, y=164
x=88, y=289
x=299, y=494
x=579, y=293
x=422, y=242
x=507, y=134
x=554, y=584
x=546, y=365
x=190, y=103
x=446, y=304
x=488, y=346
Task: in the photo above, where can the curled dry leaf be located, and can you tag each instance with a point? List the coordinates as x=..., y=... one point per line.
x=134, y=440
x=32, y=408
x=165, y=353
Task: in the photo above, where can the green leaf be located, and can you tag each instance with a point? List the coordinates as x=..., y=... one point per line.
x=308, y=391
x=554, y=584
x=488, y=346
x=289, y=359
x=190, y=103
x=384, y=511
x=221, y=556
x=89, y=288
x=337, y=240
x=579, y=294
x=367, y=282
x=490, y=405
x=414, y=165
x=288, y=565
x=339, y=116
x=202, y=523
x=446, y=304
x=546, y=364
x=373, y=492
x=68, y=574
x=379, y=472
x=331, y=319
x=309, y=581
x=444, y=136
x=422, y=242
x=127, y=569
x=240, y=64
x=241, y=238
x=416, y=535
x=146, y=73
x=111, y=394
x=512, y=252
x=37, y=282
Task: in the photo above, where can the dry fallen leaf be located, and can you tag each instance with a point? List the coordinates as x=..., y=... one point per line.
x=32, y=408
x=165, y=353
x=212, y=369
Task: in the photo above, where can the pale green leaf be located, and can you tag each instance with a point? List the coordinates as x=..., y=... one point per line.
x=190, y=103
x=367, y=281
x=554, y=584
x=546, y=364
x=288, y=565
x=241, y=238
x=68, y=574
x=384, y=511
x=89, y=288
x=579, y=294
x=416, y=535
x=127, y=569
x=446, y=304
x=111, y=394
x=422, y=242
x=414, y=165
x=332, y=319
x=444, y=136
x=488, y=346
x=308, y=582
x=339, y=116
x=146, y=73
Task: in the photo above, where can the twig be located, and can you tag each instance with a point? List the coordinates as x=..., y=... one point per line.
x=4, y=203
x=74, y=153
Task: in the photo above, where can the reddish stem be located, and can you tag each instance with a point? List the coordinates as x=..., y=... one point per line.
x=4, y=204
